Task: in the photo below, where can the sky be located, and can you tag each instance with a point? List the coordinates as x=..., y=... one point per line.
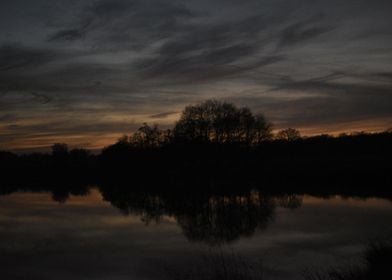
x=85, y=72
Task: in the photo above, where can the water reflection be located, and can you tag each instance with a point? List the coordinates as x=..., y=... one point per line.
x=222, y=219
x=287, y=232
x=210, y=218
x=203, y=217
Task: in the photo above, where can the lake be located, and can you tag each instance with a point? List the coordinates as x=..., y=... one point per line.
x=101, y=235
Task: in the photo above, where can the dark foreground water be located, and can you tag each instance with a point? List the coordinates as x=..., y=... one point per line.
x=149, y=237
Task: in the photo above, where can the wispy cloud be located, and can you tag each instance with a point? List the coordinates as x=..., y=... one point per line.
x=162, y=115
x=86, y=62
x=17, y=56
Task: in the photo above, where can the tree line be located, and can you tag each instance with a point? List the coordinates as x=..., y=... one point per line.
x=222, y=144
x=211, y=121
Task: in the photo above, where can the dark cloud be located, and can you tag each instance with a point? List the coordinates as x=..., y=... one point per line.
x=41, y=98
x=331, y=101
x=60, y=87
x=384, y=76
x=63, y=127
x=162, y=115
x=14, y=56
x=7, y=118
x=211, y=52
x=300, y=32
x=326, y=85
x=68, y=35
x=101, y=61
x=124, y=24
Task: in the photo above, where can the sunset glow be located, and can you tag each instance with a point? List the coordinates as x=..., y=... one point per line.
x=86, y=72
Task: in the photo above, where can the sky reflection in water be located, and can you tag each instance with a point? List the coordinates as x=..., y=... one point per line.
x=88, y=238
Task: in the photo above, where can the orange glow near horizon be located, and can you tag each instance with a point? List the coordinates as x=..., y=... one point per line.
x=369, y=126
x=97, y=141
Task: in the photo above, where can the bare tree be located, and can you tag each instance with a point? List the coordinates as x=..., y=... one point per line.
x=221, y=122
x=288, y=134
x=60, y=150
x=148, y=137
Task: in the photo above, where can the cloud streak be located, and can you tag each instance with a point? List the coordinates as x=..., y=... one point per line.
x=16, y=56
x=302, y=63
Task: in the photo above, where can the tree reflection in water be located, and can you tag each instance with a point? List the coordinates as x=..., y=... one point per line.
x=208, y=218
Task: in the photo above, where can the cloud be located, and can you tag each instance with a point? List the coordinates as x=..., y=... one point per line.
x=300, y=32
x=7, y=117
x=331, y=99
x=123, y=24
x=41, y=98
x=299, y=62
x=16, y=56
x=384, y=76
x=67, y=35
x=162, y=115
x=206, y=52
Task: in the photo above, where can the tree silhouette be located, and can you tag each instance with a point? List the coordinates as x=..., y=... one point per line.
x=262, y=130
x=60, y=150
x=288, y=134
x=79, y=154
x=221, y=122
x=148, y=137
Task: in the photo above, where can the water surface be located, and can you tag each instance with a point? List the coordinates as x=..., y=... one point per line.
x=138, y=236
